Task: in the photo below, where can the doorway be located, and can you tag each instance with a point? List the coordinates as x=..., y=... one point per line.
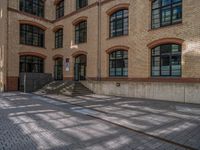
x=58, y=69
x=80, y=68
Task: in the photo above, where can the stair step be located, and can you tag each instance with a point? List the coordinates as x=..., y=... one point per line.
x=72, y=88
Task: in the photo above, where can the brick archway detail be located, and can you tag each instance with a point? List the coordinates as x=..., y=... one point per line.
x=75, y=54
x=117, y=7
x=165, y=41
x=56, y=28
x=118, y=47
x=57, y=56
x=78, y=20
x=33, y=54
x=33, y=23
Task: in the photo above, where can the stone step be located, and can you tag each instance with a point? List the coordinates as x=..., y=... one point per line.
x=70, y=88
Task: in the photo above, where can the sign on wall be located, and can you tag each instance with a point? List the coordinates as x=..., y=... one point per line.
x=67, y=66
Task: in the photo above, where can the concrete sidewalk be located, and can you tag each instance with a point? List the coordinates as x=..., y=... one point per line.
x=30, y=122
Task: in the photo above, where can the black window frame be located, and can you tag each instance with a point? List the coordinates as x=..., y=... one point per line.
x=81, y=32
x=160, y=57
x=114, y=20
x=34, y=7
x=59, y=38
x=60, y=9
x=160, y=8
x=81, y=4
x=32, y=35
x=114, y=61
x=31, y=64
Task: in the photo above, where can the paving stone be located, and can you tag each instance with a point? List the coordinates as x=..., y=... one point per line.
x=31, y=122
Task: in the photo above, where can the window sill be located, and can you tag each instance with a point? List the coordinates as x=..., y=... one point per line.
x=115, y=37
x=167, y=26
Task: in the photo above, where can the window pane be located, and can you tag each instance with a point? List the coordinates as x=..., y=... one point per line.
x=166, y=12
x=177, y=14
x=119, y=23
x=166, y=16
x=166, y=2
x=118, y=65
x=166, y=60
x=31, y=64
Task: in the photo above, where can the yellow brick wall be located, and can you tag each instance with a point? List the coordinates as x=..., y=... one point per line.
x=140, y=35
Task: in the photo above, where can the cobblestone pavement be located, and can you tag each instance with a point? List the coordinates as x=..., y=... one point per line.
x=31, y=122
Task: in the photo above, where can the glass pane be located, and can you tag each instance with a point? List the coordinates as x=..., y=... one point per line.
x=166, y=2
x=156, y=4
x=166, y=15
x=176, y=14
x=165, y=66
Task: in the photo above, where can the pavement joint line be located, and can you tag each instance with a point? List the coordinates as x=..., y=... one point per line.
x=122, y=126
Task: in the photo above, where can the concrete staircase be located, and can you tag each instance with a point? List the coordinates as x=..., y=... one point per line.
x=68, y=88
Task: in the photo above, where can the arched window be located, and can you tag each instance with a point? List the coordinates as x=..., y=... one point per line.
x=59, y=38
x=166, y=60
x=166, y=12
x=118, y=63
x=31, y=35
x=119, y=23
x=60, y=9
x=31, y=64
x=35, y=7
x=81, y=32
x=81, y=3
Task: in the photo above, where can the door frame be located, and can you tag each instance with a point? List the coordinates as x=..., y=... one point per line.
x=78, y=68
x=56, y=76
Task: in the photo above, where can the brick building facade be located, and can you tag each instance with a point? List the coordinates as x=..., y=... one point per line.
x=139, y=48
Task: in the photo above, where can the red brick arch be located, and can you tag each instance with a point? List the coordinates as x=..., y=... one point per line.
x=56, y=28
x=165, y=41
x=117, y=7
x=77, y=53
x=32, y=23
x=32, y=54
x=118, y=47
x=57, y=56
x=78, y=20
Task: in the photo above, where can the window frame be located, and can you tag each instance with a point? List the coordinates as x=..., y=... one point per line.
x=59, y=36
x=114, y=21
x=80, y=5
x=39, y=64
x=60, y=9
x=115, y=63
x=170, y=62
x=79, y=30
x=160, y=8
x=35, y=32
x=39, y=6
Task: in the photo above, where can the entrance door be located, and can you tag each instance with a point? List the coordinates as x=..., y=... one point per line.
x=80, y=68
x=58, y=69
